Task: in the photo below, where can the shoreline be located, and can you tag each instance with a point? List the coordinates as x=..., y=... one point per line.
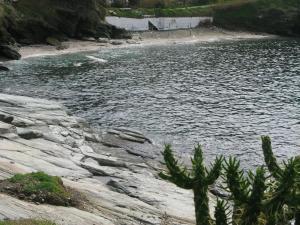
x=142, y=39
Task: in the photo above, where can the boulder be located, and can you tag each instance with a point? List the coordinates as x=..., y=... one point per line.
x=28, y=134
x=53, y=41
x=62, y=47
x=132, y=42
x=118, y=33
x=103, y=40
x=6, y=118
x=117, y=42
x=9, y=52
x=6, y=128
x=3, y=68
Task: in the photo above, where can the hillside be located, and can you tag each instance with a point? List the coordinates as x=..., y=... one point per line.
x=269, y=16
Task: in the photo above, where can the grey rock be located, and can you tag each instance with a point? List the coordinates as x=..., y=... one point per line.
x=123, y=129
x=22, y=122
x=103, y=40
x=62, y=46
x=91, y=137
x=94, y=170
x=28, y=134
x=131, y=138
x=64, y=133
x=6, y=118
x=129, y=134
x=116, y=42
x=3, y=68
x=132, y=42
x=53, y=41
x=6, y=128
x=116, y=186
x=88, y=39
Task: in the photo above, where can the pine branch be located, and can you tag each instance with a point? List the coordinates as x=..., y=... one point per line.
x=269, y=157
x=177, y=174
x=198, y=164
x=238, y=186
x=220, y=213
x=215, y=171
x=284, y=192
x=253, y=207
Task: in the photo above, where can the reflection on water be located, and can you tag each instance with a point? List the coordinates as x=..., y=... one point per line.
x=224, y=95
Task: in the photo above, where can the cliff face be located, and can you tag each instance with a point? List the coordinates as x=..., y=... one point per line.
x=31, y=21
x=38, y=20
x=261, y=16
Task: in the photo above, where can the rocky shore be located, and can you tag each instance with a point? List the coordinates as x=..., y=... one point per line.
x=116, y=171
x=26, y=22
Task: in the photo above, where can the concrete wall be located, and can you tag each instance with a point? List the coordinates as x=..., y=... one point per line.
x=162, y=23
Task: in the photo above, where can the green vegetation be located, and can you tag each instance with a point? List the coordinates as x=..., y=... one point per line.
x=39, y=187
x=256, y=198
x=269, y=16
x=162, y=12
x=176, y=11
x=35, y=182
x=26, y=222
x=280, y=17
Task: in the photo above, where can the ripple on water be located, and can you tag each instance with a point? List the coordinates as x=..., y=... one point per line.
x=224, y=94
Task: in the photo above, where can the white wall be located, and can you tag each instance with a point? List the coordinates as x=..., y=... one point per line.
x=162, y=23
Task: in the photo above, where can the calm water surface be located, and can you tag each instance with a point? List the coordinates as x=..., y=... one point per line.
x=223, y=95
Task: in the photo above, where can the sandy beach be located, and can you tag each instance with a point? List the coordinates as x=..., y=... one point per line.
x=142, y=39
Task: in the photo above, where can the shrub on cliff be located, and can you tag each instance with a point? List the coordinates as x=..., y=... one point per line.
x=39, y=187
x=256, y=199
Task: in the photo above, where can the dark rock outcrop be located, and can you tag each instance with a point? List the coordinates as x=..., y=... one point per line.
x=61, y=19
x=9, y=52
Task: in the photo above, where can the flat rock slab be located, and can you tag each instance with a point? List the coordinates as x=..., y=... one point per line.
x=116, y=171
x=11, y=208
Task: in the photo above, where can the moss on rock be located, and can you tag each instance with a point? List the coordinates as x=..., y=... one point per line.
x=26, y=222
x=40, y=187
